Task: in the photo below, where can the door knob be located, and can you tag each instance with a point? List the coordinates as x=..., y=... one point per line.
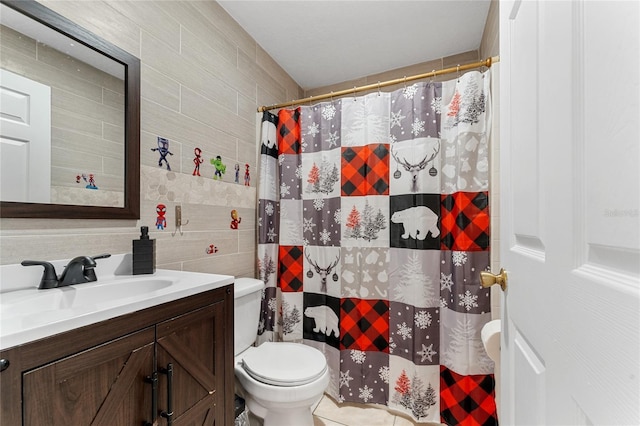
x=488, y=279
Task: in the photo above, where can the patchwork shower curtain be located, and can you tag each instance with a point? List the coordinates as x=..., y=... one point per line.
x=373, y=229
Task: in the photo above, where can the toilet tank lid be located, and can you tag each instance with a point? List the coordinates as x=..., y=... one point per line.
x=244, y=286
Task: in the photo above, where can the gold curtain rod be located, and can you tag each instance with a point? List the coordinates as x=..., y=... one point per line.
x=485, y=63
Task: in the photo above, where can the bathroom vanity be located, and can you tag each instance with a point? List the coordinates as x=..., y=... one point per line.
x=159, y=356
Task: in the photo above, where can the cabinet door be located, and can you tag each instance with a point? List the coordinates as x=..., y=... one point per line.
x=104, y=385
x=194, y=346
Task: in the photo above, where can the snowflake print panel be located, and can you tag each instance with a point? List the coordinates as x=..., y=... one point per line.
x=321, y=319
x=360, y=369
x=415, y=221
x=269, y=222
x=462, y=270
x=414, y=117
x=364, y=324
x=320, y=126
x=289, y=179
x=415, y=340
x=319, y=225
x=365, y=170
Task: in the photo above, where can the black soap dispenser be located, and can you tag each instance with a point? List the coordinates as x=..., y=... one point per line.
x=144, y=253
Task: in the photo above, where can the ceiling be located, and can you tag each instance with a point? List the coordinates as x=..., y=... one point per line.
x=319, y=43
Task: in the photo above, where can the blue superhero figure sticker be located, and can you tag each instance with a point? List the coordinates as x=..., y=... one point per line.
x=163, y=150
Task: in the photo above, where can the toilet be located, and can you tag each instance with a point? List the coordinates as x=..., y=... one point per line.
x=281, y=381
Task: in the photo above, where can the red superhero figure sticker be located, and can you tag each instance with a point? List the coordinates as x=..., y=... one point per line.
x=161, y=221
x=197, y=160
x=235, y=220
x=247, y=177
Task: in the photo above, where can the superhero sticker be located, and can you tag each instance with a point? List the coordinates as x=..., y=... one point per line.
x=218, y=164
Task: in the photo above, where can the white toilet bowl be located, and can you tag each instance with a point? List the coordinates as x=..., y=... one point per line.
x=282, y=381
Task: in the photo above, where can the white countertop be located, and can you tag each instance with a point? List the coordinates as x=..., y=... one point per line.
x=28, y=314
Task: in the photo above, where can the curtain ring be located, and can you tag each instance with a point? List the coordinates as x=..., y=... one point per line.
x=458, y=71
x=432, y=77
x=405, y=82
x=331, y=94
x=354, y=94
x=378, y=87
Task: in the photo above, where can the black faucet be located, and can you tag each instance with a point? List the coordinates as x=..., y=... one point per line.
x=79, y=270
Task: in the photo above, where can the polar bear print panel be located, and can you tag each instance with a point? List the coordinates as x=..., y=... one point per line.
x=417, y=222
x=326, y=320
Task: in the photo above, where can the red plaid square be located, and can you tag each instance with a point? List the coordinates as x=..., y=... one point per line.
x=364, y=325
x=464, y=219
x=467, y=400
x=291, y=267
x=365, y=170
x=288, y=131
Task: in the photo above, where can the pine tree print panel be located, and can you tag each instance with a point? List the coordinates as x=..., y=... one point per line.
x=414, y=333
x=460, y=288
x=464, y=104
x=364, y=377
x=268, y=264
x=290, y=317
x=364, y=221
x=465, y=221
x=320, y=126
x=414, y=389
x=291, y=223
x=415, y=277
x=365, y=272
x=364, y=324
x=415, y=221
x=461, y=348
x=268, y=314
x=365, y=120
x=321, y=175
x=467, y=400
x=365, y=170
x=415, y=112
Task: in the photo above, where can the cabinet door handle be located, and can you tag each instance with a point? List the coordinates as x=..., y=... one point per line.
x=168, y=414
x=153, y=380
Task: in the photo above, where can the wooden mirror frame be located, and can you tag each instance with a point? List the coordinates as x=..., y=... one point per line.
x=131, y=209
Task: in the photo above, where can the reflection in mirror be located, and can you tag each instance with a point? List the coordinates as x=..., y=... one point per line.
x=69, y=119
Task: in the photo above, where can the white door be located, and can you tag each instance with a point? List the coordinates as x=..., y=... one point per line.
x=570, y=233
x=25, y=139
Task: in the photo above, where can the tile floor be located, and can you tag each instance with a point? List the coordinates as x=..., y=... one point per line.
x=328, y=413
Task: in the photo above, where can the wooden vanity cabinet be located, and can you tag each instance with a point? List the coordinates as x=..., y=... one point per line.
x=104, y=374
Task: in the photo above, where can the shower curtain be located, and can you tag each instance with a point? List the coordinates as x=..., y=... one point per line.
x=373, y=225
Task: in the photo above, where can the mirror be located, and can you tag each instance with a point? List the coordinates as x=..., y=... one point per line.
x=70, y=119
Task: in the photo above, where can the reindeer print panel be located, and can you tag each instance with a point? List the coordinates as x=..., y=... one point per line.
x=414, y=166
x=322, y=270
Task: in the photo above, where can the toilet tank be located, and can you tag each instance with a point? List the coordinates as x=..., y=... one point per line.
x=247, y=297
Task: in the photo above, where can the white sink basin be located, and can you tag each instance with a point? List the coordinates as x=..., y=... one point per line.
x=27, y=314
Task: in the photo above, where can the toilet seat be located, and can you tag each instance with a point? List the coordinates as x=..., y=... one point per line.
x=284, y=364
